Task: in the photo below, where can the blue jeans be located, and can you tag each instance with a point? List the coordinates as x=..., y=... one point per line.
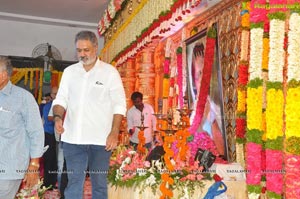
x=78, y=159
x=60, y=162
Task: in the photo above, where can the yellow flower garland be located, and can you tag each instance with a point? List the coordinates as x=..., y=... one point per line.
x=274, y=113
x=254, y=111
x=292, y=111
x=241, y=106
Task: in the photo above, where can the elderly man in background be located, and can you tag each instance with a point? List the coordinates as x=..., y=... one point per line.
x=21, y=135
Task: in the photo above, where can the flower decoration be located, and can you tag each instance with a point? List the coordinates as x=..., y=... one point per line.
x=205, y=82
x=140, y=147
x=36, y=192
x=128, y=168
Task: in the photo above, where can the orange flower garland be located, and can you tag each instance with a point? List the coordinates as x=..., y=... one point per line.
x=169, y=154
x=181, y=137
x=140, y=147
x=167, y=181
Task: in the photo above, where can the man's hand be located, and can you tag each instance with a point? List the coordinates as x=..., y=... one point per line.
x=31, y=177
x=112, y=141
x=58, y=125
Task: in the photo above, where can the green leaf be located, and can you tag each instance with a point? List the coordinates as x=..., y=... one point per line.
x=255, y=83
x=293, y=83
x=273, y=195
x=254, y=135
x=276, y=144
x=241, y=140
x=277, y=15
x=293, y=145
x=254, y=189
x=274, y=85
x=257, y=25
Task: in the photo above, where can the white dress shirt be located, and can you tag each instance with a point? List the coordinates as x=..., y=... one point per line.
x=90, y=99
x=134, y=120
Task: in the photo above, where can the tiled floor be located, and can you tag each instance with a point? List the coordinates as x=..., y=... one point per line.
x=87, y=192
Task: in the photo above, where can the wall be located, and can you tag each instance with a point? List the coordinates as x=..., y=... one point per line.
x=20, y=38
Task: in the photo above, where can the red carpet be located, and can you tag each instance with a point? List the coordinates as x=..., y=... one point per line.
x=87, y=192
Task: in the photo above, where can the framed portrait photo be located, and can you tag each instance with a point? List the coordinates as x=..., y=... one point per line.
x=212, y=119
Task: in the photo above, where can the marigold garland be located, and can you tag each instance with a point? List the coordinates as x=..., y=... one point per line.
x=274, y=113
x=266, y=49
x=26, y=78
x=167, y=182
x=31, y=79
x=140, y=147
x=181, y=138
x=292, y=109
x=254, y=113
x=241, y=106
x=169, y=153
x=242, y=82
x=275, y=100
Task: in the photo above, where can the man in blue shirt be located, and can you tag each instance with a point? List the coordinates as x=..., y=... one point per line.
x=49, y=157
x=21, y=135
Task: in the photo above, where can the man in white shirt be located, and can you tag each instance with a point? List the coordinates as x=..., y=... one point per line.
x=134, y=115
x=92, y=95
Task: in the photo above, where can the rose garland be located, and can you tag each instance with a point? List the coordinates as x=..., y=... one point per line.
x=205, y=82
x=292, y=110
x=179, y=75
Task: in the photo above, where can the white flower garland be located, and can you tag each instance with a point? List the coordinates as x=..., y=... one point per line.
x=276, y=55
x=253, y=195
x=294, y=46
x=256, y=50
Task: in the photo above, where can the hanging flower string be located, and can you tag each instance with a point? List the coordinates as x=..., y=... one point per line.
x=254, y=100
x=167, y=182
x=181, y=138
x=180, y=75
x=275, y=99
x=292, y=110
x=41, y=72
x=242, y=82
x=205, y=82
x=166, y=79
x=36, y=90
x=140, y=147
